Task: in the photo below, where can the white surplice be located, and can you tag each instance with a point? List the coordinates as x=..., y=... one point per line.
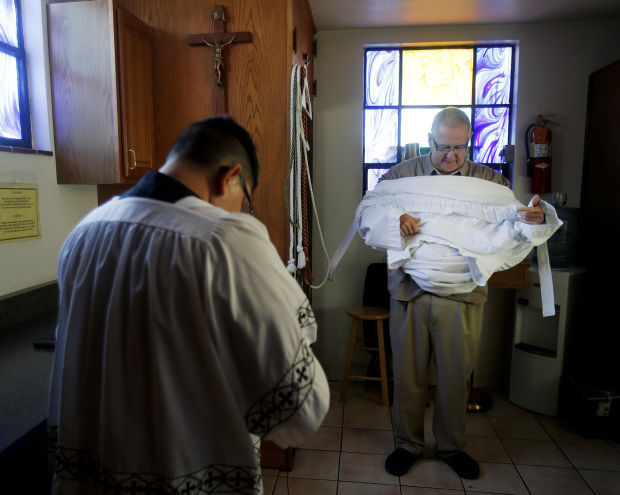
x=468, y=229
x=181, y=342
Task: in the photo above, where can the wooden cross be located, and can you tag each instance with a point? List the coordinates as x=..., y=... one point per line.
x=218, y=40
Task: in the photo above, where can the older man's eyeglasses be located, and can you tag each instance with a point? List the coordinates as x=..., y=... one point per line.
x=246, y=194
x=442, y=148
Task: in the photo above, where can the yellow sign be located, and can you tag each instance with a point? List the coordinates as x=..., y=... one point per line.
x=19, y=212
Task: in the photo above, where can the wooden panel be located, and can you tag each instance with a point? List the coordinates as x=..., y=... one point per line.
x=302, y=53
x=303, y=23
x=516, y=277
x=107, y=191
x=258, y=98
x=257, y=80
x=181, y=93
x=83, y=92
x=596, y=336
x=136, y=95
x=599, y=195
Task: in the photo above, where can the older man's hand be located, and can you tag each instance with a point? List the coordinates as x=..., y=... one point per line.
x=408, y=225
x=533, y=215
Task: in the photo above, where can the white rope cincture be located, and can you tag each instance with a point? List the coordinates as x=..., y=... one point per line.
x=300, y=139
x=300, y=101
x=291, y=265
x=303, y=103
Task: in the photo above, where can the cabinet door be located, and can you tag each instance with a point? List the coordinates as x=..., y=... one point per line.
x=135, y=73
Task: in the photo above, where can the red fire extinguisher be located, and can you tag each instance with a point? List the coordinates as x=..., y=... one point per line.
x=538, y=148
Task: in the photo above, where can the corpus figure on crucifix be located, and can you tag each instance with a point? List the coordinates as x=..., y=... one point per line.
x=218, y=58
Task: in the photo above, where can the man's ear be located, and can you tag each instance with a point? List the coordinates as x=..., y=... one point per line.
x=225, y=176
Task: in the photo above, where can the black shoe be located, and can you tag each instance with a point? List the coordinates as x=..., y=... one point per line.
x=400, y=461
x=463, y=465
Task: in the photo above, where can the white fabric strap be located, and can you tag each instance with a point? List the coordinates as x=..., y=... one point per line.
x=544, y=272
x=546, y=281
x=340, y=250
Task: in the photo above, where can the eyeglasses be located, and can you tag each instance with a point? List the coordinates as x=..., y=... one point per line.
x=460, y=148
x=247, y=195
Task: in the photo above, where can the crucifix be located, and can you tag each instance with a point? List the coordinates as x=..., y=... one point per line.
x=218, y=40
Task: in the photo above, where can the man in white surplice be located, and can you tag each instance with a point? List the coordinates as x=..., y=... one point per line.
x=446, y=325
x=182, y=340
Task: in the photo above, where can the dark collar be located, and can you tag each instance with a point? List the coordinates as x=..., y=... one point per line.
x=162, y=187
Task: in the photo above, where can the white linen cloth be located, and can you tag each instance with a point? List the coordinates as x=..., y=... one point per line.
x=168, y=387
x=468, y=231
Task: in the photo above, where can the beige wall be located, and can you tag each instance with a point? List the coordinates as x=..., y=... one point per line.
x=26, y=264
x=554, y=61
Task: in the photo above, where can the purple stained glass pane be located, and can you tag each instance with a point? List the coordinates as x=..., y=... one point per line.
x=8, y=22
x=490, y=134
x=374, y=174
x=380, y=136
x=493, y=75
x=10, y=125
x=382, y=78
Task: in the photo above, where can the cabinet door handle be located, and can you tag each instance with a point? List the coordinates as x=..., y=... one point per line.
x=132, y=167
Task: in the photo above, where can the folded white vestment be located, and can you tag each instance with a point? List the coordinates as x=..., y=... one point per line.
x=468, y=231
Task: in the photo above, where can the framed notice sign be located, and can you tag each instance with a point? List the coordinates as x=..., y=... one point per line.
x=19, y=212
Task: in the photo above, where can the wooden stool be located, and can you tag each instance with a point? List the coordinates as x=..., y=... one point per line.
x=366, y=313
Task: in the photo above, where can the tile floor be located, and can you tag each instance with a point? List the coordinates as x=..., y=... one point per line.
x=519, y=453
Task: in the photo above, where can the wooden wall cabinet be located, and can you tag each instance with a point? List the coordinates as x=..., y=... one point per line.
x=102, y=93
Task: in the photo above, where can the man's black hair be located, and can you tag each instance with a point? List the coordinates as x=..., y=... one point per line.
x=217, y=141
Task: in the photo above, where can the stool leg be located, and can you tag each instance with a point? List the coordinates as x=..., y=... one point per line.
x=350, y=352
x=382, y=364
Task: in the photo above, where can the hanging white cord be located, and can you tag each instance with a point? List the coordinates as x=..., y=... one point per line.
x=291, y=268
x=303, y=103
x=306, y=147
x=318, y=225
x=300, y=100
x=301, y=258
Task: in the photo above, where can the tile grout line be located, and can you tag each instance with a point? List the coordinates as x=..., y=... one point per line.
x=512, y=461
x=564, y=454
x=400, y=482
x=340, y=451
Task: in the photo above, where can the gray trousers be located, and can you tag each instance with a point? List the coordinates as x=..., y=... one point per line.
x=450, y=330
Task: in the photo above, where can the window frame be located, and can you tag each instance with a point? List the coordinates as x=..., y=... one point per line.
x=19, y=52
x=504, y=168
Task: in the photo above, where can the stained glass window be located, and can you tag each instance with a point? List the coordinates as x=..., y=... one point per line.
x=382, y=77
x=404, y=88
x=374, y=174
x=493, y=71
x=437, y=77
x=381, y=136
x=8, y=22
x=491, y=134
x=14, y=110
